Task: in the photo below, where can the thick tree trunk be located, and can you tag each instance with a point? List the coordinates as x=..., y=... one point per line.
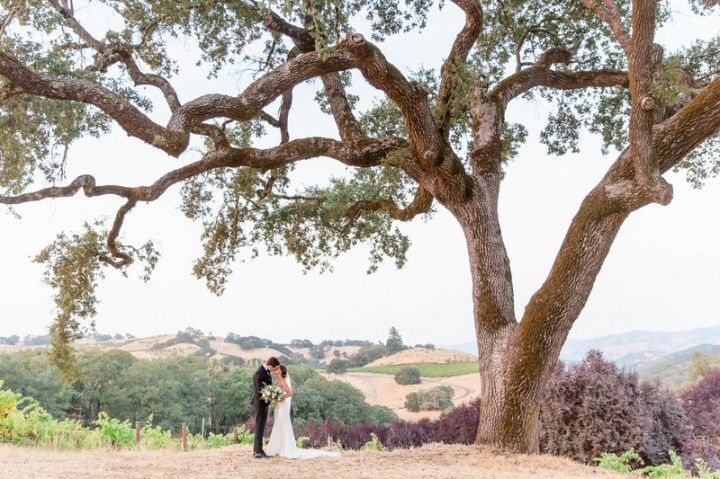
x=516, y=359
x=508, y=415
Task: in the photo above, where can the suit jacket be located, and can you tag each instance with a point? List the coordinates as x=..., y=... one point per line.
x=261, y=378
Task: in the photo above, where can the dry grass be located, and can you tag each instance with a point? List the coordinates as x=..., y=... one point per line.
x=431, y=461
x=421, y=355
x=381, y=389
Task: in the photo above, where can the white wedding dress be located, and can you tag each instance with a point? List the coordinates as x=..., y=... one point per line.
x=282, y=437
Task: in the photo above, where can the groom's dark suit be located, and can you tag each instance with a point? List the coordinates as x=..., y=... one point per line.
x=261, y=378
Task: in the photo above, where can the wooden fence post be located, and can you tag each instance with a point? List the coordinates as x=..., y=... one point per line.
x=183, y=437
x=137, y=433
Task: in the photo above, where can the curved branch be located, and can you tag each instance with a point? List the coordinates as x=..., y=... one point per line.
x=347, y=124
x=108, y=55
x=458, y=55
x=426, y=143
x=174, y=139
x=360, y=153
x=119, y=258
x=86, y=182
x=540, y=75
x=129, y=117
x=421, y=203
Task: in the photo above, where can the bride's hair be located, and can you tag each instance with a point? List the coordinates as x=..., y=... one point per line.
x=283, y=370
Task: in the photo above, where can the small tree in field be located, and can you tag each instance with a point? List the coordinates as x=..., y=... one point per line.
x=337, y=366
x=435, y=138
x=394, y=343
x=408, y=375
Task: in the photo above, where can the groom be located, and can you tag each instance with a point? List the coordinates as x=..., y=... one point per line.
x=261, y=378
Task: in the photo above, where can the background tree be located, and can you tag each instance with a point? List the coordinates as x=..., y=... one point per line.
x=408, y=375
x=436, y=138
x=394, y=343
x=101, y=382
x=337, y=366
x=699, y=366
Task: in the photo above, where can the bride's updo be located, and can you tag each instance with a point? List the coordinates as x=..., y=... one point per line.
x=283, y=370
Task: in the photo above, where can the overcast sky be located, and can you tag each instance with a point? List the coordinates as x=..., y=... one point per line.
x=661, y=274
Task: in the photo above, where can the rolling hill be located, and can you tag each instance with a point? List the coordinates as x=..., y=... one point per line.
x=672, y=369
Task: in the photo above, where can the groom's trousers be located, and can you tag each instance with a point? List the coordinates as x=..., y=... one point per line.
x=261, y=414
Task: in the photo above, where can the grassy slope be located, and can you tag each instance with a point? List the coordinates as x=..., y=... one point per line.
x=672, y=370
x=429, y=370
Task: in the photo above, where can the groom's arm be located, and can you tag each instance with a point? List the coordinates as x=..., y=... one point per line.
x=257, y=381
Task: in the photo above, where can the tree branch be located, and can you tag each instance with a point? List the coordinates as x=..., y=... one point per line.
x=426, y=144
x=421, y=203
x=554, y=308
x=360, y=153
x=174, y=139
x=347, y=124
x=458, y=55
x=642, y=117
x=540, y=75
x=608, y=11
x=118, y=259
x=118, y=52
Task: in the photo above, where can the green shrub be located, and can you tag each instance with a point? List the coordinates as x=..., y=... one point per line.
x=374, y=444
x=366, y=355
x=242, y=436
x=118, y=434
x=317, y=352
x=218, y=440
x=621, y=463
x=630, y=461
x=337, y=366
x=437, y=398
x=408, y=375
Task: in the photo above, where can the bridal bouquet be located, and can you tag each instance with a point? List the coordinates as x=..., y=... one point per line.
x=271, y=393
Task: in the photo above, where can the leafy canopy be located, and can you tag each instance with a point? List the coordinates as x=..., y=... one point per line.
x=243, y=208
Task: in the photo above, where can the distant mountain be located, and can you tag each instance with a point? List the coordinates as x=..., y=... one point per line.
x=635, y=348
x=464, y=347
x=672, y=369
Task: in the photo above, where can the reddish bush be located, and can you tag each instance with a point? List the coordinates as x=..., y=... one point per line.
x=318, y=433
x=459, y=426
x=665, y=428
x=404, y=434
x=351, y=437
x=592, y=407
x=695, y=449
x=702, y=407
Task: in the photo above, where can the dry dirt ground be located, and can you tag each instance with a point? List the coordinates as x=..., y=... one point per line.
x=381, y=389
x=431, y=461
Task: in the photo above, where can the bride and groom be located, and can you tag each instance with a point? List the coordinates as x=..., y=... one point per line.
x=282, y=437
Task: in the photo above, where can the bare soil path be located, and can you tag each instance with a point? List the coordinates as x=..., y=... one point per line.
x=381, y=389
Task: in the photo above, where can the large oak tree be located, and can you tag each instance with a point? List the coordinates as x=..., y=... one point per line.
x=437, y=139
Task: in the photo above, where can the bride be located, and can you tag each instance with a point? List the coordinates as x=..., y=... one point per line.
x=282, y=437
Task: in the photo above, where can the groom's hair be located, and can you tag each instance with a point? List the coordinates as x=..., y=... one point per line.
x=273, y=361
